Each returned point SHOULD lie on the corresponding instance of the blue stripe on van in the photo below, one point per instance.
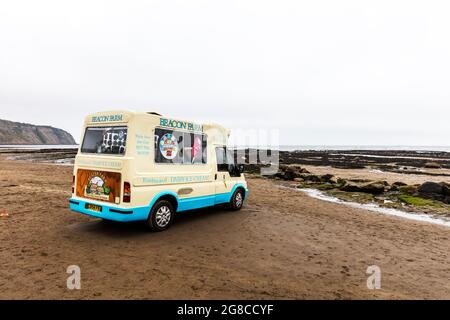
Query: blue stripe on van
(185, 204)
(196, 203)
(122, 214)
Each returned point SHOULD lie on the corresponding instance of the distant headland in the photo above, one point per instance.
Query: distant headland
(16, 133)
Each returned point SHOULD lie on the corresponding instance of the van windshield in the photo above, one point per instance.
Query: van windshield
(105, 140)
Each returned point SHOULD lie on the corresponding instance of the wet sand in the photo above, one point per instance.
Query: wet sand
(282, 245)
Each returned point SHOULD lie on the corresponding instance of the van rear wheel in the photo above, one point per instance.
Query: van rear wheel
(237, 200)
(161, 216)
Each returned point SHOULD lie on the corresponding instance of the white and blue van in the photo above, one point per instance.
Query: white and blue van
(137, 166)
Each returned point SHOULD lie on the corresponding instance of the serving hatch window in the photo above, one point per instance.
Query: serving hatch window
(179, 147)
(105, 140)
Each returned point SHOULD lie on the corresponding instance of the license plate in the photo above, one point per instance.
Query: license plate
(93, 207)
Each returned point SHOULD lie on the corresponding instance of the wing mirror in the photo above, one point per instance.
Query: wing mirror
(236, 170)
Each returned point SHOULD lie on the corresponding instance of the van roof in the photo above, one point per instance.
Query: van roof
(123, 116)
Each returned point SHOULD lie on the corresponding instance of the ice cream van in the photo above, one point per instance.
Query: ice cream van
(142, 166)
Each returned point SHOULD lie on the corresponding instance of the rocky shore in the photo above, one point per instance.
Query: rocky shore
(428, 197)
(63, 156)
(418, 181)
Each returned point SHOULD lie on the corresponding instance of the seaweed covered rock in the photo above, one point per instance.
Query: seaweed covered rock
(377, 187)
(430, 188)
(311, 178)
(433, 165)
(436, 191)
(291, 172)
(397, 185)
(446, 189)
(329, 178)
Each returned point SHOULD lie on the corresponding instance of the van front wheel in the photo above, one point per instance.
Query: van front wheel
(237, 200)
(161, 216)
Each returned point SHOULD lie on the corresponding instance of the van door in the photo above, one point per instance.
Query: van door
(222, 182)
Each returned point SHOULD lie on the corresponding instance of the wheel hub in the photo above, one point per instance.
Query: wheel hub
(163, 216)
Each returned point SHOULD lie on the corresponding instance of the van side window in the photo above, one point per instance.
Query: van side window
(179, 147)
(221, 155)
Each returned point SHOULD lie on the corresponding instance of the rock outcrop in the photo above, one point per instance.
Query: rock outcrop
(376, 187)
(432, 165)
(291, 172)
(436, 191)
(28, 134)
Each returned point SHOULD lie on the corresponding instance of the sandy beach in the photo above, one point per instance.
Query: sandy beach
(282, 245)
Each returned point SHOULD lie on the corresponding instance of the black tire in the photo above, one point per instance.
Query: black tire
(237, 200)
(159, 219)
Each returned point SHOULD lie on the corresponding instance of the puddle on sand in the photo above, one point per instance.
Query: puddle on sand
(422, 217)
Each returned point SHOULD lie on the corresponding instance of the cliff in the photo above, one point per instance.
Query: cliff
(23, 133)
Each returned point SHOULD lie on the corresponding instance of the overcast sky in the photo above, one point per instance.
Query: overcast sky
(322, 72)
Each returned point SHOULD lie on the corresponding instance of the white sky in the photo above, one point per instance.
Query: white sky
(322, 72)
